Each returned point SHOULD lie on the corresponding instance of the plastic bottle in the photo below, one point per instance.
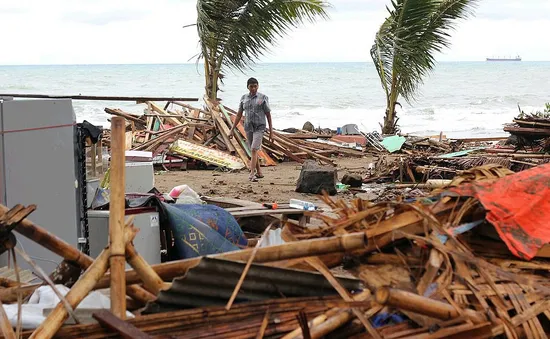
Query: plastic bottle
(303, 205)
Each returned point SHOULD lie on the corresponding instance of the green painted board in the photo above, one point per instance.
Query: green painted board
(393, 143)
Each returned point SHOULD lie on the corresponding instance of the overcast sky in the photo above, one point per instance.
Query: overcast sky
(139, 31)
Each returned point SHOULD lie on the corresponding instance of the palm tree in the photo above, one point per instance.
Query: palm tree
(235, 33)
(404, 47)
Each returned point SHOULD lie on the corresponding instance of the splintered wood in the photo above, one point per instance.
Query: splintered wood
(417, 264)
(202, 130)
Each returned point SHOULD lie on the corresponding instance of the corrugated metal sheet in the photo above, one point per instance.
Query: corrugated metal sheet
(212, 282)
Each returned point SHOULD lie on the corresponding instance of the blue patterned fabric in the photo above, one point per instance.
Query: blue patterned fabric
(203, 229)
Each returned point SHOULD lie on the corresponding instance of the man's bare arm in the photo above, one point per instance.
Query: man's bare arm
(237, 120)
(268, 116)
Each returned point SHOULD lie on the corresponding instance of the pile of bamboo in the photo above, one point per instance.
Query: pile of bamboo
(208, 128)
(416, 260)
(422, 262)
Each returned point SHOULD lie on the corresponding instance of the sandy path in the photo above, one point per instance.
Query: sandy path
(277, 186)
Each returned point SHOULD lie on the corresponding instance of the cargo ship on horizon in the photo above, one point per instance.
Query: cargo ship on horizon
(517, 58)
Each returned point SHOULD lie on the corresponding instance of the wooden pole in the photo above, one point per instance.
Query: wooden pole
(324, 323)
(117, 258)
(58, 246)
(151, 280)
(246, 268)
(300, 249)
(316, 263)
(98, 97)
(7, 329)
(332, 323)
(412, 302)
(80, 290)
(281, 140)
(47, 279)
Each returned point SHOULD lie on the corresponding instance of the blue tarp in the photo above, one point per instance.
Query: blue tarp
(203, 229)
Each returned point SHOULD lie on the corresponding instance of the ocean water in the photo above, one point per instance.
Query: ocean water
(460, 99)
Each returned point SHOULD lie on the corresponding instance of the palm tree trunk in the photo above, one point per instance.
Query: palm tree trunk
(214, 85)
(389, 118)
(207, 77)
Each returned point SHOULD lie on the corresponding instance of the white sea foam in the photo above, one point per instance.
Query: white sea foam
(459, 99)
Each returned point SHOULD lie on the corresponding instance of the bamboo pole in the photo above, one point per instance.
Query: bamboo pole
(47, 279)
(80, 290)
(316, 263)
(246, 268)
(316, 322)
(7, 329)
(151, 281)
(263, 327)
(335, 321)
(58, 246)
(9, 294)
(306, 248)
(140, 294)
(98, 97)
(193, 318)
(418, 304)
(117, 203)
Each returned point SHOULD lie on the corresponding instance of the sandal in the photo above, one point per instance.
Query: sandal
(253, 178)
(259, 176)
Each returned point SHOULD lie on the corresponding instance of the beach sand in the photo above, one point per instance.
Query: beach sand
(278, 185)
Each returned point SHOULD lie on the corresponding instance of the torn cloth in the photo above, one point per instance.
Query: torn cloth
(518, 206)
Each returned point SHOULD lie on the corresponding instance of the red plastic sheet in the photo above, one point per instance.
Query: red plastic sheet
(518, 206)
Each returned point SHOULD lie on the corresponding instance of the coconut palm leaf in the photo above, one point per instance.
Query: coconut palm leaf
(407, 41)
(405, 45)
(235, 33)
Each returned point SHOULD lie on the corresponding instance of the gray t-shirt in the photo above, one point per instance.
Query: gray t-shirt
(255, 107)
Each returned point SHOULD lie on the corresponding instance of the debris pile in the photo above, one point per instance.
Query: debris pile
(179, 131)
(530, 131)
(451, 264)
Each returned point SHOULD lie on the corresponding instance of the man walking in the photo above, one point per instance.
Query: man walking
(255, 105)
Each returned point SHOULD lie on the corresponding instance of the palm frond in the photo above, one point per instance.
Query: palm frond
(235, 33)
(415, 30)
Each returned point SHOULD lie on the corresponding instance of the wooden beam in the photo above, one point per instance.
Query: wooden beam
(79, 290)
(98, 97)
(165, 115)
(191, 132)
(117, 258)
(306, 248)
(126, 330)
(260, 212)
(189, 106)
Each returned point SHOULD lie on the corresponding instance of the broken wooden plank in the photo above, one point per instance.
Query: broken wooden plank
(264, 212)
(125, 329)
(173, 121)
(208, 155)
(191, 132)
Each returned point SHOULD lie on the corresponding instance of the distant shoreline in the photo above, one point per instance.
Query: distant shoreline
(258, 64)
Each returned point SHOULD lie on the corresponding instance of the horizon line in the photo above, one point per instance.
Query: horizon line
(252, 65)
